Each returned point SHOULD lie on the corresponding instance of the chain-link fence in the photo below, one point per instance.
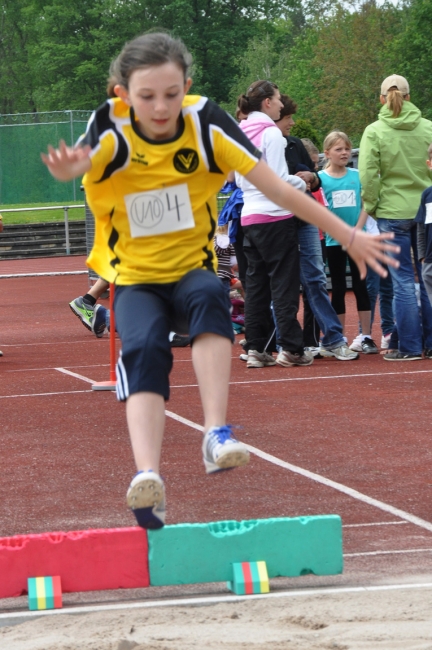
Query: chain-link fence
(23, 136)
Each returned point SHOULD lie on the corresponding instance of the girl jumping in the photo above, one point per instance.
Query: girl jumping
(154, 159)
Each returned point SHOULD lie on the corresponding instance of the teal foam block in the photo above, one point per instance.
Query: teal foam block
(191, 553)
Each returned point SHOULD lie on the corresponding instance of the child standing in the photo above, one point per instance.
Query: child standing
(341, 186)
(154, 159)
(424, 238)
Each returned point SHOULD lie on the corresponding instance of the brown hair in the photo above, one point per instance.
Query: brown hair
(150, 49)
(255, 95)
(289, 107)
(331, 140)
(395, 100)
(310, 147)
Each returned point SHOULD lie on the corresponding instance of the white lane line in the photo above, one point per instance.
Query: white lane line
(94, 365)
(36, 275)
(408, 550)
(75, 342)
(213, 600)
(397, 512)
(74, 374)
(322, 480)
(378, 523)
(286, 379)
(60, 392)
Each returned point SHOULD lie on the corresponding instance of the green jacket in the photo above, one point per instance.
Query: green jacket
(392, 163)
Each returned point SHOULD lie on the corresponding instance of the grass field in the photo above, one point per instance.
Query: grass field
(41, 216)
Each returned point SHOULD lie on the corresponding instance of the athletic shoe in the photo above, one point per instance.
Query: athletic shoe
(98, 322)
(395, 355)
(315, 352)
(369, 346)
(243, 357)
(257, 359)
(179, 341)
(146, 498)
(1, 353)
(222, 451)
(287, 359)
(83, 310)
(242, 342)
(341, 352)
(356, 344)
(428, 354)
(385, 341)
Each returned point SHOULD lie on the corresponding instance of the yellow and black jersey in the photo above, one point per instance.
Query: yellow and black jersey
(155, 201)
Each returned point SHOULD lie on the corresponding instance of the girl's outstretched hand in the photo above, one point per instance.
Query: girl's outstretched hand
(371, 249)
(66, 163)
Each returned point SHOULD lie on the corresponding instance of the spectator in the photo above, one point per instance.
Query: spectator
(393, 176)
(341, 186)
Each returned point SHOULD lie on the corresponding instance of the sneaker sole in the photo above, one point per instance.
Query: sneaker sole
(410, 359)
(288, 364)
(145, 494)
(328, 354)
(259, 364)
(80, 316)
(229, 460)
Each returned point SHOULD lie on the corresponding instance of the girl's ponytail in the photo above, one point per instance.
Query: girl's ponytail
(395, 101)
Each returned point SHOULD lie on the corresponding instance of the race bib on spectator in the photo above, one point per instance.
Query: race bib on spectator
(159, 212)
(344, 199)
(428, 218)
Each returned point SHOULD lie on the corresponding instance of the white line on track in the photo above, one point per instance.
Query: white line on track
(36, 275)
(364, 498)
(323, 480)
(269, 381)
(408, 550)
(213, 600)
(61, 392)
(74, 374)
(376, 523)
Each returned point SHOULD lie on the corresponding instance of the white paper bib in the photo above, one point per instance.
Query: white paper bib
(428, 218)
(344, 199)
(158, 212)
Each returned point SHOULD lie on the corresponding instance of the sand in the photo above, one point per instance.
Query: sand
(390, 620)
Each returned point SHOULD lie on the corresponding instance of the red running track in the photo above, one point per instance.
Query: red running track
(66, 460)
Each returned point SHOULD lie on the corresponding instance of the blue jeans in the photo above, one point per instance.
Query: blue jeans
(314, 282)
(412, 326)
(383, 286)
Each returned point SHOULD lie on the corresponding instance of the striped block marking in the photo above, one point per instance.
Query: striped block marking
(193, 553)
(249, 578)
(44, 592)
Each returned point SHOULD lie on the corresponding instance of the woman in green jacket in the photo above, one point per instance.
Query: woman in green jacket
(393, 175)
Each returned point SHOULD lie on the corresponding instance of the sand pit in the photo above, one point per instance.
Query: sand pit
(389, 619)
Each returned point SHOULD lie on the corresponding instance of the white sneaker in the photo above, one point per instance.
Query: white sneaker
(259, 359)
(385, 341)
(315, 351)
(356, 345)
(146, 498)
(222, 451)
(341, 352)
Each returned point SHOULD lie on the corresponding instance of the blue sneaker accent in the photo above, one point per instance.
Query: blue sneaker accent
(98, 322)
(146, 498)
(222, 451)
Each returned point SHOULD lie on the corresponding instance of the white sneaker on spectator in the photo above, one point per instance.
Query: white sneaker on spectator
(385, 341)
(259, 359)
(341, 352)
(356, 345)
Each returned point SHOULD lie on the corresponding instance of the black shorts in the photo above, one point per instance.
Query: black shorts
(145, 315)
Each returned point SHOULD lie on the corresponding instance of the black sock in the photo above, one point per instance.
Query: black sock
(89, 299)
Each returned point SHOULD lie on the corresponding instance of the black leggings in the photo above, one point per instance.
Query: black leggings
(337, 259)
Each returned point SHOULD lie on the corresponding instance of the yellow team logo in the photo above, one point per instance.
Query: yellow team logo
(186, 161)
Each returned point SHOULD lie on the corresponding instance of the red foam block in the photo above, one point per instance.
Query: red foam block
(86, 560)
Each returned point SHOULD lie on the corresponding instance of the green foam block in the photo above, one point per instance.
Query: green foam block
(190, 553)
